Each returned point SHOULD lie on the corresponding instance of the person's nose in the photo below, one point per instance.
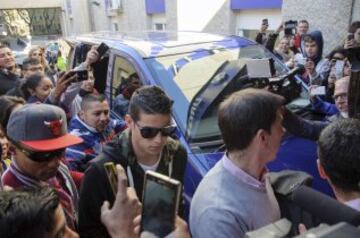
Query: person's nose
(158, 138)
(104, 117)
(55, 162)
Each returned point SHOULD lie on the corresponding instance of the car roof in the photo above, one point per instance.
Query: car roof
(162, 43)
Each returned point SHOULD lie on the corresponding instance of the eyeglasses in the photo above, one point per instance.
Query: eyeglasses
(38, 156)
(150, 132)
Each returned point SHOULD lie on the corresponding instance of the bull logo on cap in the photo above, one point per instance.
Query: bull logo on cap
(55, 126)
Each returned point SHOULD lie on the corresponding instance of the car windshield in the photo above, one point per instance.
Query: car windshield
(199, 81)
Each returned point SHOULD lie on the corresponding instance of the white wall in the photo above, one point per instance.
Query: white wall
(195, 15)
(251, 19)
(356, 11)
(98, 17)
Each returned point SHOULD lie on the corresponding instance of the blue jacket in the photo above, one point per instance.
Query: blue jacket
(324, 107)
(79, 155)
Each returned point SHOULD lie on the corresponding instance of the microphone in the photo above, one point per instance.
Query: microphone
(324, 207)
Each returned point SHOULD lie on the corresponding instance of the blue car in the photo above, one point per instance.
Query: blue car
(197, 70)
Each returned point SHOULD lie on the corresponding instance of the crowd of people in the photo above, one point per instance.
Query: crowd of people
(56, 134)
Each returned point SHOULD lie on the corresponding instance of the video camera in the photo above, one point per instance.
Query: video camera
(262, 74)
(290, 27)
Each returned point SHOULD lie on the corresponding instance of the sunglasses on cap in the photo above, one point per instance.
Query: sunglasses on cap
(41, 156)
(150, 132)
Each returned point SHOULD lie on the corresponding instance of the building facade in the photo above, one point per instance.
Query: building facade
(240, 17)
(47, 17)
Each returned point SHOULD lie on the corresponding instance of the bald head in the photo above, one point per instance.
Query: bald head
(341, 95)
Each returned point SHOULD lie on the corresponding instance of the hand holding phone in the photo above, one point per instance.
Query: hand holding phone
(350, 36)
(339, 69)
(102, 49)
(161, 198)
(265, 22)
(119, 220)
(301, 60)
(111, 173)
(319, 90)
(81, 75)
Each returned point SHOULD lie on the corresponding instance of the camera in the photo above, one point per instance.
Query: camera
(290, 27)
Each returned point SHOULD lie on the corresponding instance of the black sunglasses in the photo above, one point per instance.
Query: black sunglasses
(40, 156)
(150, 132)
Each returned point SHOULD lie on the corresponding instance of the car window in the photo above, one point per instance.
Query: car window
(125, 81)
(205, 78)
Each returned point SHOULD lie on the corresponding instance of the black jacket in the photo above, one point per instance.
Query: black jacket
(96, 189)
(8, 81)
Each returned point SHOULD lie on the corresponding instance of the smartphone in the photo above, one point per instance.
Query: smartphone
(301, 60)
(81, 75)
(161, 196)
(265, 22)
(339, 69)
(350, 36)
(111, 173)
(320, 90)
(102, 49)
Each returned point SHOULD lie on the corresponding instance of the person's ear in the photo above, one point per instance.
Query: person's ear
(129, 121)
(262, 137)
(81, 114)
(321, 170)
(31, 91)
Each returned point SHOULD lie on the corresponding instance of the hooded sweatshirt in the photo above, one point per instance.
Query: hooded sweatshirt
(322, 66)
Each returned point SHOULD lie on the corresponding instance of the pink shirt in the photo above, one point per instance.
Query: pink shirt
(241, 174)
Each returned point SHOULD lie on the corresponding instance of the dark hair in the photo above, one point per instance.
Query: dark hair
(7, 105)
(4, 45)
(336, 50)
(29, 61)
(28, 213)
(339, 153)
(304, 21)
(309, 38)
(149, 100)
(129, 85)
(31, 82)
(244, 113)
(354, 26)
(91, 97)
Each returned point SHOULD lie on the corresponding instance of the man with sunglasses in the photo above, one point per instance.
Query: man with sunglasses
(38, 136)
(145, 145)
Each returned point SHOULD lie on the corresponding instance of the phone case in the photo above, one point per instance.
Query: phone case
(110, 170)
(102, 49)
(167, 182)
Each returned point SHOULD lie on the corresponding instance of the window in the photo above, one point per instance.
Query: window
(115, 4)
(125, 81)
(251, 34)
(159, 26)
(115, 27)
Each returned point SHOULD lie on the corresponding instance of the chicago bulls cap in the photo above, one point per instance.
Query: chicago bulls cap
(41, 127)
